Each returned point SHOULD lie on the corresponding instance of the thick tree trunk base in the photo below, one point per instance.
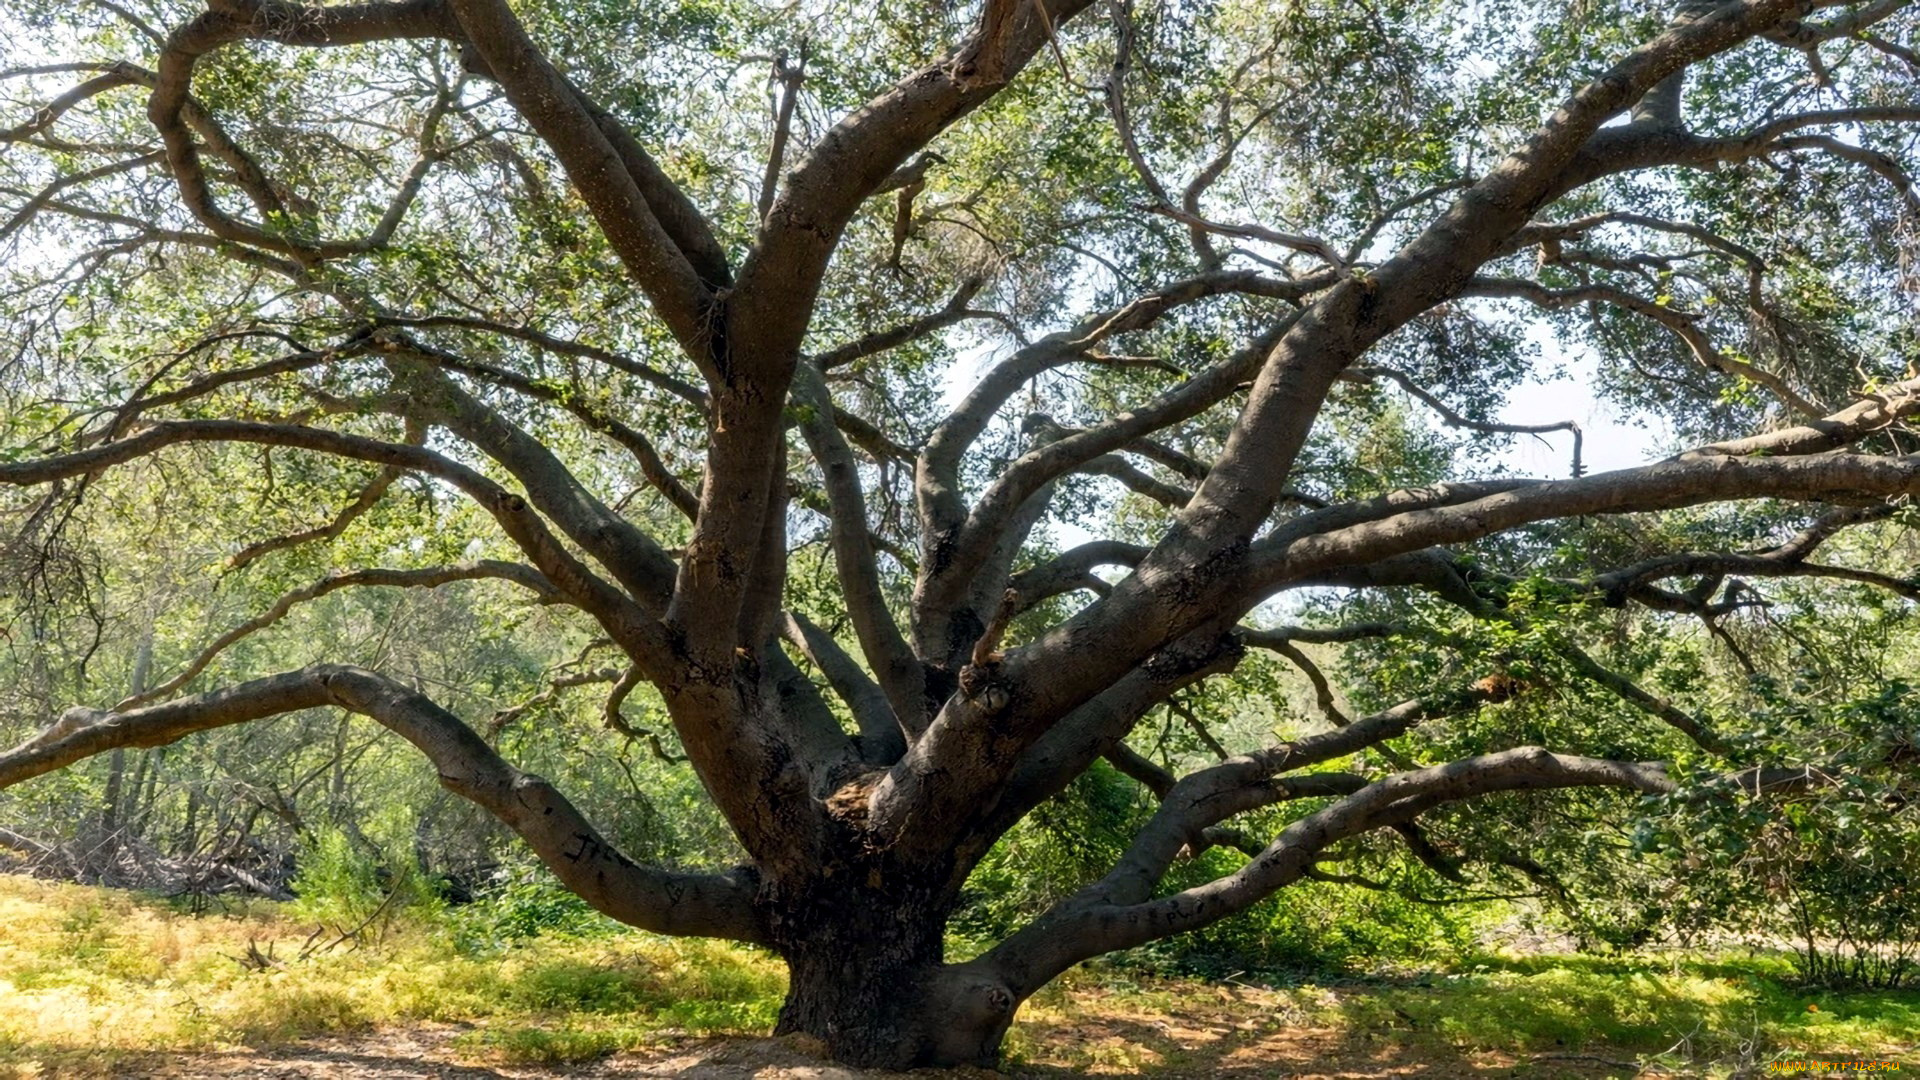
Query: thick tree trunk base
(875, 991)
(900, 1019)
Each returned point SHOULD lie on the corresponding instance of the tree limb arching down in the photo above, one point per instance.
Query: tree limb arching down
(563, 280)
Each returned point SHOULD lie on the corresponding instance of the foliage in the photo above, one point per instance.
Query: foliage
(520, 904)
(340, 883)
(1836, 874)
(1040, 472)
(1073, 838)
(1320, 929)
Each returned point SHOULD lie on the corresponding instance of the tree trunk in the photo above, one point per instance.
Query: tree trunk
(113, 805)
(110, 801)
(867, 979)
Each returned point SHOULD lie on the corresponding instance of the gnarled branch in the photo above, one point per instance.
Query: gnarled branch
(674, 903)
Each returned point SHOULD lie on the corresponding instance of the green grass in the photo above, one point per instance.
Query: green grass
(1711, 1007)
(88, 976)
(1706, 1015)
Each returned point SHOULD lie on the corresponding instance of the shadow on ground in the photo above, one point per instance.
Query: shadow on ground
(1109, 1047)
(1161, 1049)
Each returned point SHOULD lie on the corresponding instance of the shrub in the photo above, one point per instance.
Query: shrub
(346, 885)
(520, 904)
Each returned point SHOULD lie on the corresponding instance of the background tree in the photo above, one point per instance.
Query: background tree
(1077, 335)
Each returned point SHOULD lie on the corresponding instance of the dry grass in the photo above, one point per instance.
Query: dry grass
(1538, 1016)
(94, 982)
(86, 974)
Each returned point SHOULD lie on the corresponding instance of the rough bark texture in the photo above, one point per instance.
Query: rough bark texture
(867, 978)
(859, 842)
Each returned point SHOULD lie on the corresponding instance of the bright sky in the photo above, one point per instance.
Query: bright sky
(1610, 443)
(1569, 394)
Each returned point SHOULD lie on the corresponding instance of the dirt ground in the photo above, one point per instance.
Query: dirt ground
(427, 1052)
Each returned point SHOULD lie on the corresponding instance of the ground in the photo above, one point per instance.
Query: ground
(102, 983)
(1163, 1046)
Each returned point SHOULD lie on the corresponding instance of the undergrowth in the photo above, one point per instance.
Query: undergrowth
(89, 977)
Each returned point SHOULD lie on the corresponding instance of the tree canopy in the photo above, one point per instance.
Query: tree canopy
(917, 400)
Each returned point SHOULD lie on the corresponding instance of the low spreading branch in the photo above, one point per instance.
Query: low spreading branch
(674, 903)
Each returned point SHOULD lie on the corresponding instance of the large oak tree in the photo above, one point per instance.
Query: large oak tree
(1070, 329)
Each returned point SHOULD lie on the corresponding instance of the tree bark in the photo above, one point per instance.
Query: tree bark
(864, 947)
(858, 848)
